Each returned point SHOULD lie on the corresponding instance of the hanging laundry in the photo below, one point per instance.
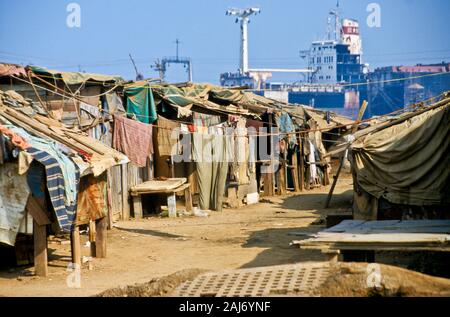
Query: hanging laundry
(183, 112)
(240, 164)
(209, 152)
(68, 168)
(205, 120)
(167, 136)
(14, 194)
(133, 138)
(16, 139)
(312, 159)
(92, 198)
(140, 102)
(286, 127)
(113, 104)
(65, 213)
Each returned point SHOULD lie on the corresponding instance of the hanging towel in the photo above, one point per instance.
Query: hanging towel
(167, 136)
(134, 139)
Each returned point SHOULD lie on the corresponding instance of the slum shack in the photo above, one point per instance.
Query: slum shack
(400, 165)
(170, 133)
(78, 100)
(401, 178)
(265, 147)
(53, 181)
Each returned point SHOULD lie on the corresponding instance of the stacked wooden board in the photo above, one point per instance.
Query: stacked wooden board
(387, 235)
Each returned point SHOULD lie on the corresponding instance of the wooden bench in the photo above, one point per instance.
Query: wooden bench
(171, 198)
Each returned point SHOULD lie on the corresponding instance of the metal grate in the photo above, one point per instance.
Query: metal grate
(295, 279)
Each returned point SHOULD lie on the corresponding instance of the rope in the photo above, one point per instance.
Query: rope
(303, 132)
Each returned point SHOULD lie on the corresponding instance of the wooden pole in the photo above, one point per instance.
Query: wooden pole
(341, 163)
(281, 178)
(100, 237)
(92, 234)
(188, 198)
(302, 165)
(294, 172)
(76, 246)
(330, 194)
(268, 180)
(40, 249)
(137, 206)
(110, 198)
(125, 202)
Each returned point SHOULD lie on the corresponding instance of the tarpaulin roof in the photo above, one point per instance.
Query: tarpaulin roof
(75, 78)
(239, 102)
(101, 156)
(406, 161)
(12, 70)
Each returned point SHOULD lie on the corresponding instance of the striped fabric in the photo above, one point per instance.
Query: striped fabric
(55, 185)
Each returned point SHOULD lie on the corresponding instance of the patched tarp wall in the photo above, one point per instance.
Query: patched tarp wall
(407, 163)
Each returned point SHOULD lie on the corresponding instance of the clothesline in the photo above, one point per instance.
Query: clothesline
(282, 133)
(342, 85)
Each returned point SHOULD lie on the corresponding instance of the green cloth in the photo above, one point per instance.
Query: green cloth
(75, 78)
(140, 102)
(183, 96)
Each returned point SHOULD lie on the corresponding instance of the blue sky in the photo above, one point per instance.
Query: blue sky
(412, 31)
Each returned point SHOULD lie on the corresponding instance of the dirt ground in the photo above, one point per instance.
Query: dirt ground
(145, 250)
(350, 280)
(138, 251)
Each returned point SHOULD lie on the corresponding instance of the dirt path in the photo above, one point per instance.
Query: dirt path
(138, 251)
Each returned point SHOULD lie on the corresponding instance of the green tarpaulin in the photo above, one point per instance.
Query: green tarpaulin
(140, 102)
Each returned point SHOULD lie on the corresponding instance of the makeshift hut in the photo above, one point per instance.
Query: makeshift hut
(52, 180)
(401, 165)
(239, 123)
(171, 133)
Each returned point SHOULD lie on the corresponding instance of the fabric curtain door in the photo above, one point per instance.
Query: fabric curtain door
(209, 152)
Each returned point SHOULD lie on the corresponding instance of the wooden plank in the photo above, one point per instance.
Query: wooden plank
(301, 170)
(361, 112)
(172, 205)
(125, 194)
(109, 198)
(135, 192)
(37, 211)
(335, 179)
(345, 225)
(268, 176)
(40, 249)
(100, 237)
(76, 246)
(392, 226)
(188, 198)
(281, 178)
(378, 239)
(92, 233)
(137, 206)
(294, 172)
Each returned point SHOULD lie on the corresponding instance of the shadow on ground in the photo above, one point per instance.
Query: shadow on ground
(149, 232)
(316, 201)
(277, 240)
(279, 251)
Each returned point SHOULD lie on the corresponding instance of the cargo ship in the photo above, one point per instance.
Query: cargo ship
(334, 68)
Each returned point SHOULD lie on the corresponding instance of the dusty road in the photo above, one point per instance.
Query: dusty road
(138, 251)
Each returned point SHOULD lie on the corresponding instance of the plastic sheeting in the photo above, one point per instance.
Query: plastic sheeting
(140, 102)
(407, 163)
(13, 199)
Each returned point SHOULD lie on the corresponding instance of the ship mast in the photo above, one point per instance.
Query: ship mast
(242, 15)
(337, 24)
